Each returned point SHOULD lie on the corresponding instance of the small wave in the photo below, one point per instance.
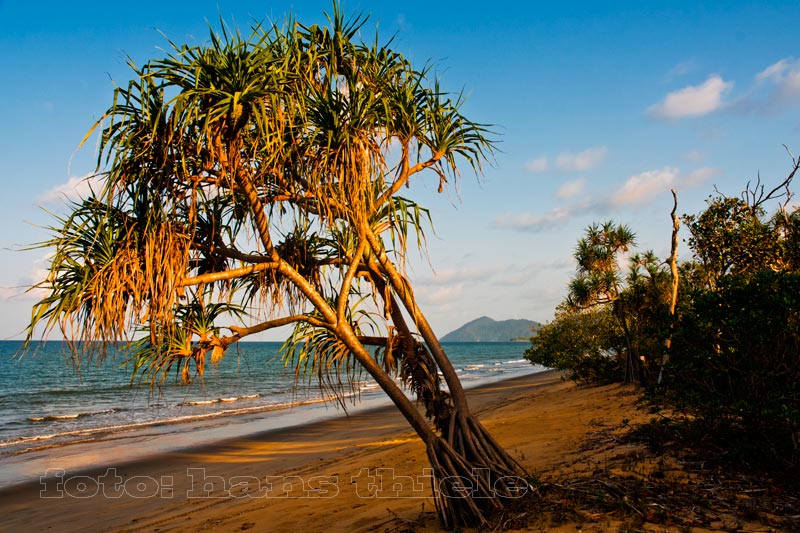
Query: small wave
(200, 402)
(91, 433)
(515, 361)
(475, 367)
(69, 416)
(228, 399)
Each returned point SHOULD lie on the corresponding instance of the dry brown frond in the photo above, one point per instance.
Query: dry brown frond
(166, 256)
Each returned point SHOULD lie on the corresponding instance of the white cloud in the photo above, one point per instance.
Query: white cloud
(74, 189)
(699, 176)
(582, 161)
(694, 100)
(540, 164)
(444, 288)
(773, 89)
(783, 77)
(645, 186)
(776, 71)
(533, 223)
(571, 188)
(441, 295)
(455, 275)
(24, 291)
(694, 156)
(638, 190)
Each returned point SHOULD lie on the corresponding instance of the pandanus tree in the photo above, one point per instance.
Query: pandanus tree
(599, 280)
(252, 182)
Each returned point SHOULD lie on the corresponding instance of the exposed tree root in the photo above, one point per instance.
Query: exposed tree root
(473, 477)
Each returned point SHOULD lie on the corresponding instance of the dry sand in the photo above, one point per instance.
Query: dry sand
(365, 472)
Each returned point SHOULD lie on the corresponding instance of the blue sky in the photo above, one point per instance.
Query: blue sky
(600, 109)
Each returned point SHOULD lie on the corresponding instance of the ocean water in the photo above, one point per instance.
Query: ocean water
(45, 403)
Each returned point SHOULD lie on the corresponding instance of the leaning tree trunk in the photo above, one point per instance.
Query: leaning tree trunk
(466, 458)
(473, 475)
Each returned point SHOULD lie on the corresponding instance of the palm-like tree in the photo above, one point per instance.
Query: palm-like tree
(599, 279)
(258, 176)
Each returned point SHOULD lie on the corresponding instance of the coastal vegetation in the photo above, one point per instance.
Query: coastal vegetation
(253, 182)
(714, 340)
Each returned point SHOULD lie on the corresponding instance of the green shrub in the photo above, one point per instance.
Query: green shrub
(586, 344)
(736, 359)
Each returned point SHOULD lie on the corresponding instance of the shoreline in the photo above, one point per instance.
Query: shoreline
(44, 403)
(123, 446)
(163, 487)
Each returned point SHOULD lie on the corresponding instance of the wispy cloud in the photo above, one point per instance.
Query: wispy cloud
(776, 71)
(694, 100)
(533, 223)
(643, 187)
(785, 76)
(682, 69)
(445, 287)
(699, 176)
(694, 156)
(540, 164)
(637, 191)
(569, 161)
(24, 290)
(775, 87)
(442, 295)
(454, 275)
(582, 161)
(73, 189)
(571, 189)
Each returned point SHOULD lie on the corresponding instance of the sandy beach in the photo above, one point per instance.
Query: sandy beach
(367, 472)
(364, 472)
(277, 480)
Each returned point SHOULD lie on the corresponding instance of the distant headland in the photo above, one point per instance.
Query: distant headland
(485, 329)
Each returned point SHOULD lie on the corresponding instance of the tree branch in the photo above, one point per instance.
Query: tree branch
(406, 173)
(347, 282)
(212, 277)
(239, 332)
(754, 198)
(231, 253)
(373, 341)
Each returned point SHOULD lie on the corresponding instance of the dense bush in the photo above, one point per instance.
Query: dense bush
(588, 345)
(730, 355)
(736, 359)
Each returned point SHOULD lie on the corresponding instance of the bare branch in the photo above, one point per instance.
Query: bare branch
(756, 198)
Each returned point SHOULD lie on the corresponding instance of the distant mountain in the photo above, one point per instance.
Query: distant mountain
(484, 329)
